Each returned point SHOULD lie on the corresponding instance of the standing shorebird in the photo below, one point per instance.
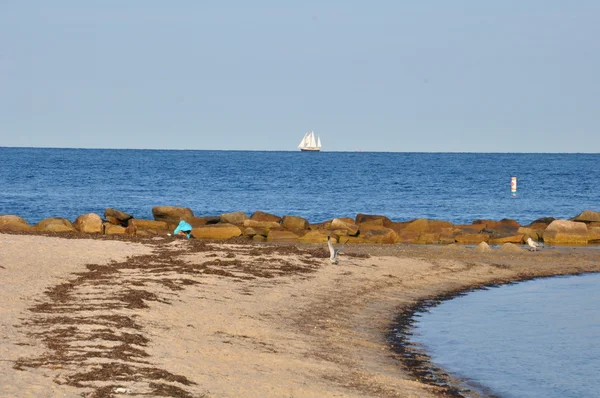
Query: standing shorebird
(533, 246)
(333, 252)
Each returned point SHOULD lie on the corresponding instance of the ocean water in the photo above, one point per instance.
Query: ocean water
(539, 338)
(37, 183)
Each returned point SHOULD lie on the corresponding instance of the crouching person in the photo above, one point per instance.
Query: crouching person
(183, 228)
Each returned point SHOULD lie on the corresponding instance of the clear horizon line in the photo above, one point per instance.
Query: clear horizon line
(288, 150)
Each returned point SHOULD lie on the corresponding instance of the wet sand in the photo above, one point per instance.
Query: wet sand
(110, 317)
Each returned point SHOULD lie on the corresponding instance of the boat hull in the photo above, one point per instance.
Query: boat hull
(310, 149)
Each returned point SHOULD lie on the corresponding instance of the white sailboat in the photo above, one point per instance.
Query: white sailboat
(309, 144)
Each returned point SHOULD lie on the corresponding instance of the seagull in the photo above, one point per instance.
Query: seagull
(333, 252)
(533, 246)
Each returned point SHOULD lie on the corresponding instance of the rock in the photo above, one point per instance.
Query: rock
(399, 226)
(423, 231)
(409, 236)
(483, 247)
(593, 234)
(112, 229)
(282, 236)
(56, 224)
(471, 239)
(216, 231)
(486, 223)
(10, 219)
(294, 223)
(565, 232)
(517, 238)
(468, 228)
(15, 226)
(426, 238)
(171, 214)
(543, 220)
(139, 227)
(250, 232)
(267, 225)
(204, 220)
(378, 234)
(447, 235)
(425, 225)
(511, 248)
(315, 237)
(236, 218)
(259, 238)
(343, 224)
(527, 231)
(89, 223)
(262, 216)
(587, 216)
(117, 217)
(373, 219)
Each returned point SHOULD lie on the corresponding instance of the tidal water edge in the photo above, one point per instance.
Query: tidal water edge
(539, 338)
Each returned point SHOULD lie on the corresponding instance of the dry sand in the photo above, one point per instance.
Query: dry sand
(172, 317)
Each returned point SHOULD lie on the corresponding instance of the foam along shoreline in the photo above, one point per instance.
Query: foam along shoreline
(208, 318)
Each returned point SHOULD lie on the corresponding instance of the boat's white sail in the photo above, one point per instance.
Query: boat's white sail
(309, 143)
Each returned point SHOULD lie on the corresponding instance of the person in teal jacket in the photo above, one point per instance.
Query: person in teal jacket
(183, 228)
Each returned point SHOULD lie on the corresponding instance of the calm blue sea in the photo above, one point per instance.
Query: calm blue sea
(36, 183)
(539, 338)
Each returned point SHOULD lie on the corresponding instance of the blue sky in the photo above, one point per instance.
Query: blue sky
(428, 76)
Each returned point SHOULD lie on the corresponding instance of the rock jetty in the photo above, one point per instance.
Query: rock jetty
(583, 229)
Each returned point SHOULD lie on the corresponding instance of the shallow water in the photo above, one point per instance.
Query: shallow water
(539, 338)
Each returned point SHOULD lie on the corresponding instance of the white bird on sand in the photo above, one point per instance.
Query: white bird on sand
(333, 252)
(533, 246)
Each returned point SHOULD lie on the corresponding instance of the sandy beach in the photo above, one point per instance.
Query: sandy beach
(119, 316)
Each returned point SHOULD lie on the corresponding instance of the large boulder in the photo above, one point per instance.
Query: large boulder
(502, 224)
(112, 229)
(9, 218)
(294, 223)
(90, 223)
(14, 224)
(236, 218)
(267, 225)
(262, 216)
(117, 217)
(276, 235)
(140, 227)
(517, 238)
(316, 236)
(344, 224)
(251, 232)
(55, 224)
(468, 228)
(171, 214)
(587, 216)
(373, 219)
(378, 234)
(471, 239)
(216, 231)
(565, 232)
(593, 234)
(543, 220)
